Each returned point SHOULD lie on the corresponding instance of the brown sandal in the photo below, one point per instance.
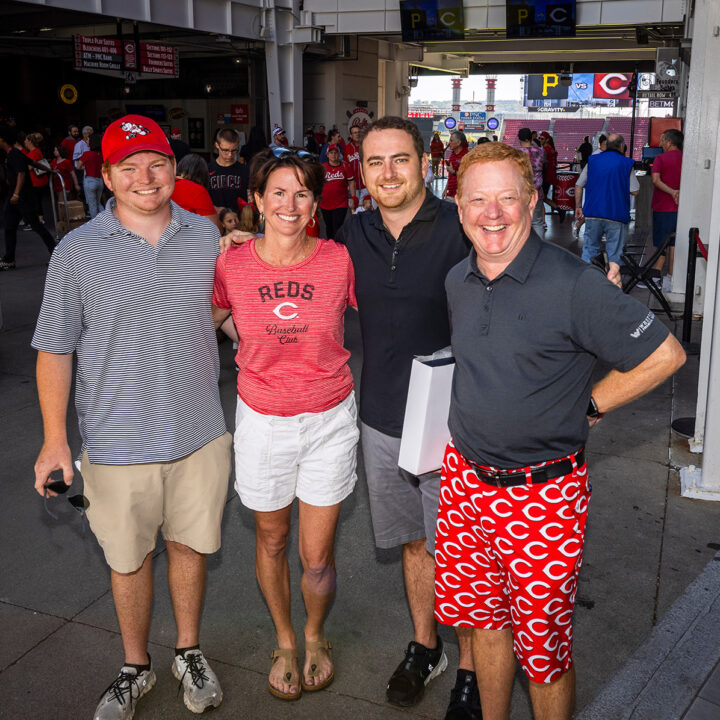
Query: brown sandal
(287, 655)
(312, 646)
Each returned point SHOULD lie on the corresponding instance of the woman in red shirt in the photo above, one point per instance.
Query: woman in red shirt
(437, 148)
(91, 163)
(339, 186)
(64, 167)
(296, 424)
(40, 180)
(459, 149)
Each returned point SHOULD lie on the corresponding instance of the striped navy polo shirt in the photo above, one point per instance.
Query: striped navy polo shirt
(139, 319)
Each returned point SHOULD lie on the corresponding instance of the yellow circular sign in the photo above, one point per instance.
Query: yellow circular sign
(68, 94)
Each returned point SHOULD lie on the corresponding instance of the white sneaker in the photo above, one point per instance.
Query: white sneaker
(667, 284)
(202, 688)
(119, 700)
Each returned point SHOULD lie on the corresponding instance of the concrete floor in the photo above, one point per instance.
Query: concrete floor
(59, 645)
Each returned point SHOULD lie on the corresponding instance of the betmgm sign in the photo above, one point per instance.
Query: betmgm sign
(540, 18)
(426, 20)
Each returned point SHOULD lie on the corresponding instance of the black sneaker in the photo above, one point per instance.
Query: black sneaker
(464, 698)
(407, 684)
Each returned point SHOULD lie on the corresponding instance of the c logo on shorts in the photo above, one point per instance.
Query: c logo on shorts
(548, 643)
(465, 604)
(529, 515)
(537, 632)
(470, 543)
(533, 659)
(448, 610)
(537, 596)
(472, 570)
(548, 570)
(547, 490)
(494, 506)
(532, 544)
(453, 576)
(524, 526)
(545, 532)
(513, 566)
(568, 553)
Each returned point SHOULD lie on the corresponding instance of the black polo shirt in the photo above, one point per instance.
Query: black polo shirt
(400, 289)
(525, 346)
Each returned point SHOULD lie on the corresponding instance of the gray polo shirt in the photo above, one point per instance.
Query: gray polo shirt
(526, 345)
(139, 319)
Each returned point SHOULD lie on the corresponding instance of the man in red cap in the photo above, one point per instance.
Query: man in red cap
(120, 291)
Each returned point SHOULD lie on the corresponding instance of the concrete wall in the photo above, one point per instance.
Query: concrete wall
(332, 88)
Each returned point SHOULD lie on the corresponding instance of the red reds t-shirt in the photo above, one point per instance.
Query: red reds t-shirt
(37, 180)
(352, 158)
(69, 144)
(335, 190)
(455, 164)
(668, 165)
(290, 324)
(64, 167)
(92, 163)
(193, 197)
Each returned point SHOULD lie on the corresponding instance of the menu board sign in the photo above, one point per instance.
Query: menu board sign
(118, 58)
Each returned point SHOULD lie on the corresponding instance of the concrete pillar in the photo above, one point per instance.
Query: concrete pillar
(700, 207)
(698, 192)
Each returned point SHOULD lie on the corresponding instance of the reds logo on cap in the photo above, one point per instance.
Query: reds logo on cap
(131, 134)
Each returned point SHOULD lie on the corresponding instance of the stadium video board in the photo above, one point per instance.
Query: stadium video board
(432, 20)
(539, 18)
(583, 89)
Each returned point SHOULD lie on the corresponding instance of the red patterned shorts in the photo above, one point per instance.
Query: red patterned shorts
(510, 558)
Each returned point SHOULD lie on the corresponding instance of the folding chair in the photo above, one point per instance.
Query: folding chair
(642, 273)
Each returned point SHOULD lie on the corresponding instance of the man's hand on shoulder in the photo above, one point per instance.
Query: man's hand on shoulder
(53, 457)
(234, 239)
(614, 274)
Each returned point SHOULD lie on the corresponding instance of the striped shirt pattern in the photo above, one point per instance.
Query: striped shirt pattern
(139, 319)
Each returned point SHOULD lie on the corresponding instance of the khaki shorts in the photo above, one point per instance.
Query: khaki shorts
(184, 498)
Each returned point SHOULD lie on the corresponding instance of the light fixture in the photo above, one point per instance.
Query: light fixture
(208, 88)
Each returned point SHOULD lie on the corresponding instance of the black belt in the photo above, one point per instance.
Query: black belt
(537, 475)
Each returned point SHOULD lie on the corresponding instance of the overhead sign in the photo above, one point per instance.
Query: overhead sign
(472, 118)
(450, 123)
(670, 104)
(493, 123)
(539, 18)
(426, 20)
(656, 94)
(613, 86)
(120, 58)
(546, 87)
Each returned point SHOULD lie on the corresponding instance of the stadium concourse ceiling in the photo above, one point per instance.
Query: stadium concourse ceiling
(600, 48)
(42, 31)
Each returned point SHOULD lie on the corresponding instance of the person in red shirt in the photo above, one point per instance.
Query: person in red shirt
(191, 188)
(296, 423)
(90, 162)
(71, 140)
(550, 172)
(352, 158)
(321, 136)
(62, 164)
(437, 149)
(666, 171)
(339, 185)
(40, 180)
(458, 150)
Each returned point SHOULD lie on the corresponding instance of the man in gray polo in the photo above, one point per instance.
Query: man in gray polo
(526, 336)
(129, 294)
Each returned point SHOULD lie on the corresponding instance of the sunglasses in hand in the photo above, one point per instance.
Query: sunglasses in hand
(79, 502)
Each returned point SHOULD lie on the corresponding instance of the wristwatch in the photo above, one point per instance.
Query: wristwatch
(592, 411)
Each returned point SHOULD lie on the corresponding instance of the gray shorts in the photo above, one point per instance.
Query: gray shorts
(403, 506)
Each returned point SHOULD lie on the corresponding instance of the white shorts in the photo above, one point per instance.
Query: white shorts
(311, 456)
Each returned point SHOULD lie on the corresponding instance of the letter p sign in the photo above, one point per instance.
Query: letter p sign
(549, 81)
(416, 18)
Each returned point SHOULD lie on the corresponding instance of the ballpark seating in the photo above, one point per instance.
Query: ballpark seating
(569, 133)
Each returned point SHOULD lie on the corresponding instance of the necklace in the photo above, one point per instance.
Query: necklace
(306, 249)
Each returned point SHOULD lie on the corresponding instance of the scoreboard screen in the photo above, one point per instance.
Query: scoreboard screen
(540, 18)
(428, 20)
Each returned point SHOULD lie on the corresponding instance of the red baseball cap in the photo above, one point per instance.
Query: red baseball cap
(131, 134)
(333, 146)
(175, 133)
(544, 134)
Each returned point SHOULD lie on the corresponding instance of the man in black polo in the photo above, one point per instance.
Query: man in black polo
(229, 179)
(401, 253)
(526, 336)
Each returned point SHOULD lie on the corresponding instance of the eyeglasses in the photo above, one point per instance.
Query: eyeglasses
(281, 152)
(79, 502)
